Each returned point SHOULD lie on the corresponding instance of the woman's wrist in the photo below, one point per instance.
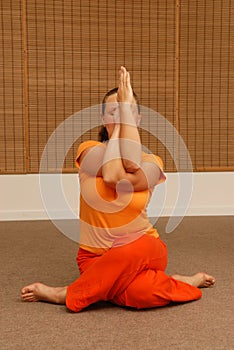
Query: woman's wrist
(116, 131)
(126, 114)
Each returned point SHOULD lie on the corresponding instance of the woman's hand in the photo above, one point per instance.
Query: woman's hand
(125, 93)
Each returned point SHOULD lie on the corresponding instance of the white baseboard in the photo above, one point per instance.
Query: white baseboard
(202, 211)
(30, 215)
(19, 215)
(31, 197)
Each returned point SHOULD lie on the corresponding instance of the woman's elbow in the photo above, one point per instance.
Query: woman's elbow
(131, 167)
(109, 180)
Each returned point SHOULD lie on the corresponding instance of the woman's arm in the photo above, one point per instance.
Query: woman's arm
(130, 142)
(119, 162)
(104, 160)
(114, 173)
(97, 163)
(112, 167)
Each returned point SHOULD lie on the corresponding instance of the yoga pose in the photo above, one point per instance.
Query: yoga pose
(121, 257)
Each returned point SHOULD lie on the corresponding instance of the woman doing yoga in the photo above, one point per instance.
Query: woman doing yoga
(121, 257)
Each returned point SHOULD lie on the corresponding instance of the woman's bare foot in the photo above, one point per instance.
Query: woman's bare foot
(200, 279)
(41, 292)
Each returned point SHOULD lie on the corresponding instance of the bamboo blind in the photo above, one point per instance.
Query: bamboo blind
(206, 77)
(59, 57)
(12, 130)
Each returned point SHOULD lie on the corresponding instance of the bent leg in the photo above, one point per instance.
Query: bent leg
(154, 288)
(85, 259)
(111, 274)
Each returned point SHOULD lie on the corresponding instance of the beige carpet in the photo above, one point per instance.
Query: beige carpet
(35, 251)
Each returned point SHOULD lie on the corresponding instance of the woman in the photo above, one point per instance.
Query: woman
(121, 257)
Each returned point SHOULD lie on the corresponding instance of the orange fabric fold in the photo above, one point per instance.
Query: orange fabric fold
(131, 275)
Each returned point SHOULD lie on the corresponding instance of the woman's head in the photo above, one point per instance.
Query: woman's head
(110, 112)
(113, 92)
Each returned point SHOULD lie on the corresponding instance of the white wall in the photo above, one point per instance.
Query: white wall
(34, 197)
(30, 197)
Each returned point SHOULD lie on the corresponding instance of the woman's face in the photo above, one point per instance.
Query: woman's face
(111, 115)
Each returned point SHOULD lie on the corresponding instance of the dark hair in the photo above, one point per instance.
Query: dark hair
(103, 134)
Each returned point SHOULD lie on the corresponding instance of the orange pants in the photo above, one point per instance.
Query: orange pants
(131, 275)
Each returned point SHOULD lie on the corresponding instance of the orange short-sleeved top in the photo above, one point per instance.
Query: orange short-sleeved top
(110, 219)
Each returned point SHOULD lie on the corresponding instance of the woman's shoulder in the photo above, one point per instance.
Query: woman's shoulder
(152, 158)
(86, 144)
(89, 143)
